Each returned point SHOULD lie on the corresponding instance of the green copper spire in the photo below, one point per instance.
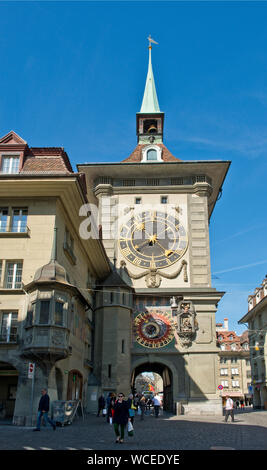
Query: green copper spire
(150, 102)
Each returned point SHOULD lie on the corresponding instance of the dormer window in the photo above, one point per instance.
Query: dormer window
(152, 153)
(10, 164)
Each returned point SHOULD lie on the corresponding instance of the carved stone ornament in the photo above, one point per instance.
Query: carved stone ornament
(186, 323)
(153, 276)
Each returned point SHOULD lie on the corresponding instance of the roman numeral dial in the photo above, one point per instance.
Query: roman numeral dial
(153, 238)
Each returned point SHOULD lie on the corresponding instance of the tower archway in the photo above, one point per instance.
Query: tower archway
(167, 378)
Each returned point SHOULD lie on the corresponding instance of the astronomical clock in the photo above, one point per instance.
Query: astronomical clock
(153, 329)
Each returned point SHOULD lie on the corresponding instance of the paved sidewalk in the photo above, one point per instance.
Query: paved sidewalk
(165, 433)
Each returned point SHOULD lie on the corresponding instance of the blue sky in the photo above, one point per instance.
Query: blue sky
(73, 75)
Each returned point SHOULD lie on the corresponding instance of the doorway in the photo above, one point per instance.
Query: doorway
(75, 385)
(8, 391)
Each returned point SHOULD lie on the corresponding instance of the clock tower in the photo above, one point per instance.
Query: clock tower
(156, 311)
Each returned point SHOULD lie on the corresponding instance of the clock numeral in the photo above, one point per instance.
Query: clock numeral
(137, 261)
(126, 252)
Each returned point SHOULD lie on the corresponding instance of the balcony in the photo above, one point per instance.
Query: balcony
(48, 342)
(13, 232)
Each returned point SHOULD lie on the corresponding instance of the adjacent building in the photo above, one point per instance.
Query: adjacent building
(256, 319)
(47, 279)
(234, 370)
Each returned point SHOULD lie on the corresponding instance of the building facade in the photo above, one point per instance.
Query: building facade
(234, 369)
(47, 279)
(256, 319)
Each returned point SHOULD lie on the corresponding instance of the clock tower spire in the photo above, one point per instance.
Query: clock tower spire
(149, 121)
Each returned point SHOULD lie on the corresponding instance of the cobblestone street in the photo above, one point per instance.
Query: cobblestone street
(248, 432)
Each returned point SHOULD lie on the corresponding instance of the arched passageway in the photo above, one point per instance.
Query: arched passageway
(166, 375)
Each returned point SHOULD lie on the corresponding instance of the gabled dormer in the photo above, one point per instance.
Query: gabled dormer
(12, 152)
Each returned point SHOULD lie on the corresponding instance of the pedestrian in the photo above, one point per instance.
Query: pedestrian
(242, 404)
(132, 407)
(157, 404)
(43, 409)
(229, 408)
(120, 417)
(110, 406)
(142, 404)
(237, 404)
(101, 404)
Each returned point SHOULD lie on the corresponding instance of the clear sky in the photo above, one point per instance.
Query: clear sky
(73, 75)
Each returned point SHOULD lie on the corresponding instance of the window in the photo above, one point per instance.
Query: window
(224, 372)
(122, 346)
(10, 165)
(233, 347)
(1, 267)
(44, 312)
(222, 346)
(151, 155)
(235, 372)
(9, 326)
(224, 383)
(59, 313)
(233, 360)
(14, 275)
(109, 371)
(231, 337)
(3, 219)
(245, 346)
(164, 199)
(69, 246)
(138, 200)
(19, 220)
(223, 360)
(235, 383)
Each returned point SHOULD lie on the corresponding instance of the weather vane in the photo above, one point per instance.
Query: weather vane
(150, 41)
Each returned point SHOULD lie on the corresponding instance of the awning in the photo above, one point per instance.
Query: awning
(232, 394)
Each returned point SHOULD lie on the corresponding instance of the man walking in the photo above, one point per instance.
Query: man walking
(229, 408)
(43, 411)
(157, 403)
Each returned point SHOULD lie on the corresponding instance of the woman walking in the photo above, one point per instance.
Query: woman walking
(132, 407)
(120, 417)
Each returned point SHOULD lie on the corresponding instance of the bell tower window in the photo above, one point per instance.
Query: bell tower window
(152, 153)
(150, 126)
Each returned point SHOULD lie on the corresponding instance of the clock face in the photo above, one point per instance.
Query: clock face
(153, 239)
(153, 329)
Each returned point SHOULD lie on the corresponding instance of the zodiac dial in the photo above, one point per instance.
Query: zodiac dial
(153, 239)
(153, 329)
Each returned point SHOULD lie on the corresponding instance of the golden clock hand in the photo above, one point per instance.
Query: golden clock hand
(139, 246)
(166, 252)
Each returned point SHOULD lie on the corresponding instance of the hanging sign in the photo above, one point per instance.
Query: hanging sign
(31, 370)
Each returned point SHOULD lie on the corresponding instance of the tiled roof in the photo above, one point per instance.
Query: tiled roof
(46, 160)
(136, 155)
